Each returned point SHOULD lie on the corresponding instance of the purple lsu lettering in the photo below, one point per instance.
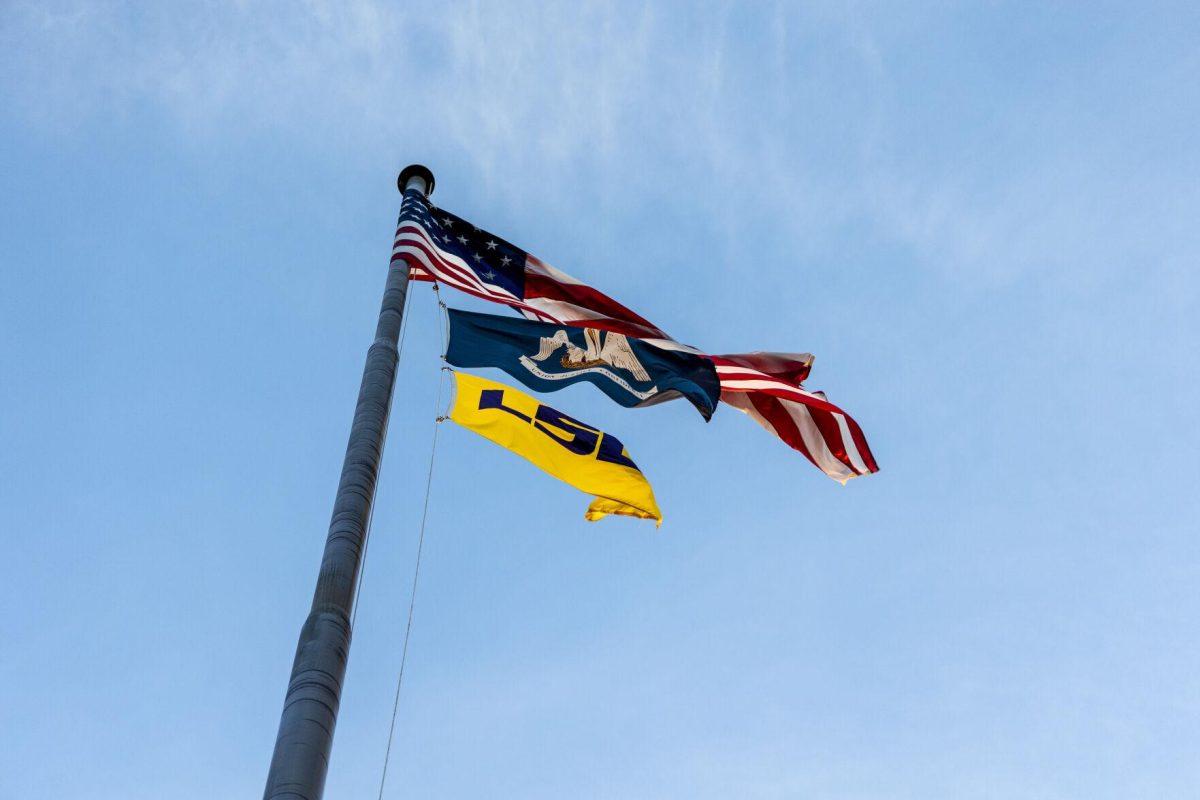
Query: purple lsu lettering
(576, 436)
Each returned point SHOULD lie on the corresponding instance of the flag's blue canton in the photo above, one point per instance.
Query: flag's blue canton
(492, 259)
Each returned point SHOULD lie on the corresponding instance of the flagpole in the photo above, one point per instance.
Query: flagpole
(305, 737)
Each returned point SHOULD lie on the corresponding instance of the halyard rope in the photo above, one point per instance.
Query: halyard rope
(412, 598)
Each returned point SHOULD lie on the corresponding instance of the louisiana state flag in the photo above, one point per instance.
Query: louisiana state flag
(572, 451)
(548, 357)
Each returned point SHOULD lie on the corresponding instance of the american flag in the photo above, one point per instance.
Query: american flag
(767, 387)
(443, 248)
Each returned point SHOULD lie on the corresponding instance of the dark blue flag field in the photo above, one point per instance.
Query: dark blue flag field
(548, 356)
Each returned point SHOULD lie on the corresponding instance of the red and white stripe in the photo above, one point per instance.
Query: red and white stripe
(568, 301)
(428, 262)
(805, 420)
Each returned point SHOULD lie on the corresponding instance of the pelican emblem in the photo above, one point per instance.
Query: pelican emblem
(604, 348)
(605, 353)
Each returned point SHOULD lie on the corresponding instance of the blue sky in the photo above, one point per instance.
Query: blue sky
(981, 218)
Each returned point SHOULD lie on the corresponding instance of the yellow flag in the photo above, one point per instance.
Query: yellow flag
(572, 451)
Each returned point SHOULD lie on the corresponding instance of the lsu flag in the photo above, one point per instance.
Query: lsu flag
(547, 356)
(574, 452)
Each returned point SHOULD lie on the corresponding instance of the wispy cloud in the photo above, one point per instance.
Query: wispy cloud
(821, 115)
(504, 80)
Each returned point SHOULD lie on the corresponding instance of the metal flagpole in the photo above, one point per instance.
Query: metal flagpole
(310, 708)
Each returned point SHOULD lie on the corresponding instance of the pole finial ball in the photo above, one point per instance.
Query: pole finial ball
(416, 176)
